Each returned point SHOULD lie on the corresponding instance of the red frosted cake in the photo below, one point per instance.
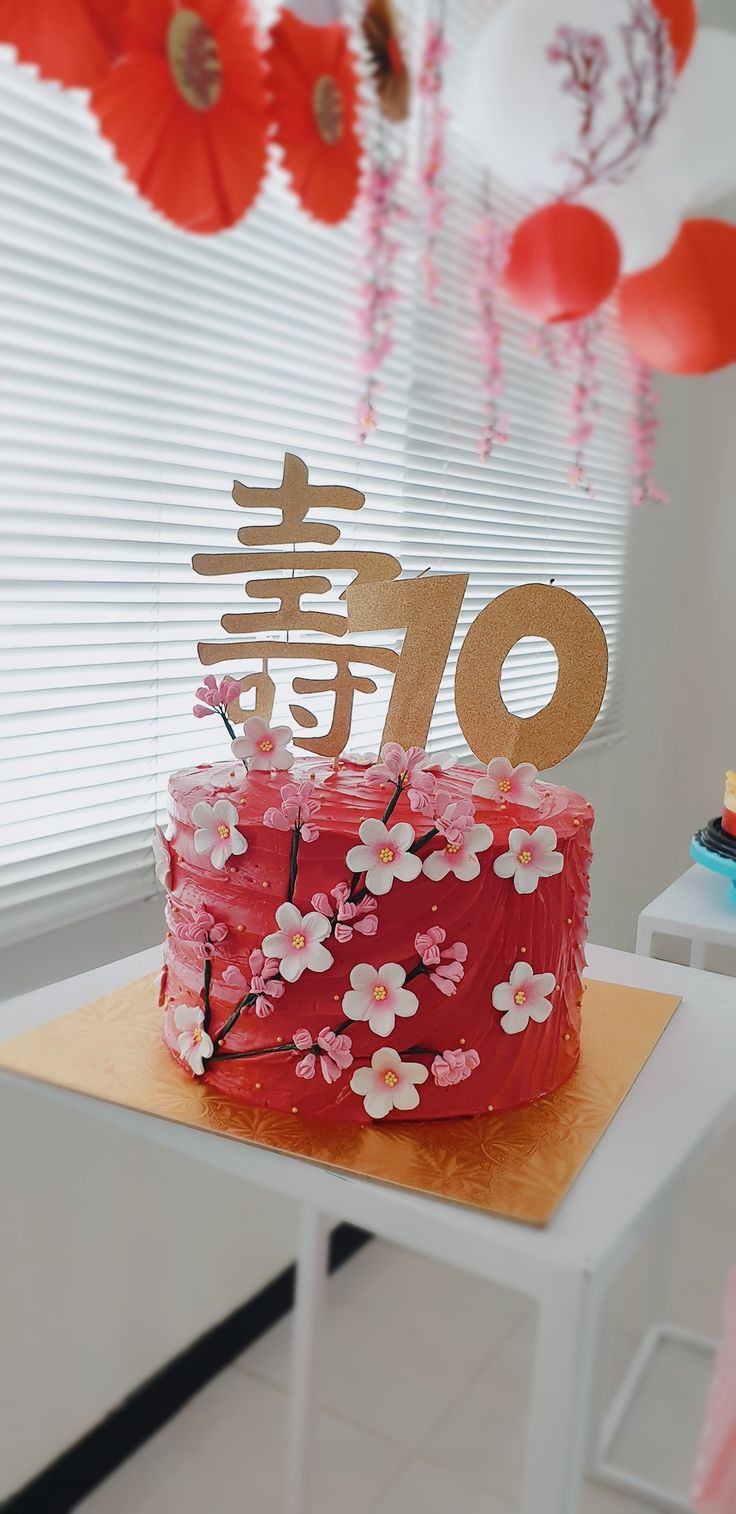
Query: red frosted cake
(375, 939)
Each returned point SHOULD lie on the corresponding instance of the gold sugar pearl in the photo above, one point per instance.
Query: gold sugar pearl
(567, 1037)
(462, 1040)
(569, 919)
(265, 885)
(240, 927)
(522, 949)
(576, 822)
(336, 998)
(434, 909)
(259, 1085)
(294, 1109)
(279, 1039)
(490, 1109)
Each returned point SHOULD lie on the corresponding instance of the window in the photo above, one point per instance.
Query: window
(144, 370)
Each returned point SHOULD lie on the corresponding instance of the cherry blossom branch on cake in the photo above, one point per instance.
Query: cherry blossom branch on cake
(215, 697)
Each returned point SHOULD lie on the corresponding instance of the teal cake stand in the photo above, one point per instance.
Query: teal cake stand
(726, 866)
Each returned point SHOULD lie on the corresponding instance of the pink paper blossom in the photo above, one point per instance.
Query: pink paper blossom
(445, 962)
(265, 982)
(493, 247)
(454, 1066)
(215, 696)
(382, 215)
(348, 917)
(298, 807)
(644, 431)
(432, 167)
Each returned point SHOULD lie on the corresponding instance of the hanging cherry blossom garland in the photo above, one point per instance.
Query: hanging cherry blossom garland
(581, 347)
(493, 244)
(432, 168)
(644, 430)
(383, 213)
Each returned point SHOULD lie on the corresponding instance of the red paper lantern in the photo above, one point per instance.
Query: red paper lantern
(73, 43)
(563, 262)
(682, 22)
(680, 314)
(185, 108)
(314, 92)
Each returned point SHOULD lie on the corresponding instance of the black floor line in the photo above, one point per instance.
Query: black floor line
(74, 1474)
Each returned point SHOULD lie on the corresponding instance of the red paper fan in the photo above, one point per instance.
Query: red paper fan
(73, 43)
(314, 92)
(186, 111)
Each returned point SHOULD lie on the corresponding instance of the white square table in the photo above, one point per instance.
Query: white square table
(680, 1101)
(699, 906)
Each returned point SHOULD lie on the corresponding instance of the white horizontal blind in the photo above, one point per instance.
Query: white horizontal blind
(143, 370)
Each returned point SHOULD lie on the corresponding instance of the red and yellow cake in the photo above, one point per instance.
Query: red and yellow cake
(373, 939)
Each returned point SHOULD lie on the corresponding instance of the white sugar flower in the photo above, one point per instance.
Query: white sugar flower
(161, 857)
(523, 998)
(216, 835)
(378, 996)
(384, 855)
(388, 1083)
(195, 1046)
(263, 746)
(459, 856)
(297, 943)
(508, 784)
(529, 858)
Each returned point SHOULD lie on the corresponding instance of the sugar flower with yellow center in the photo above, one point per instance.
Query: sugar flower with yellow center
(384, 855)
(388, 1083)
(523, 998)
(194, 1044)
(297, 944)
(507, 784)
(377, 994)
(263, 747)
(216, 834)
(529, 858)
(460, 855)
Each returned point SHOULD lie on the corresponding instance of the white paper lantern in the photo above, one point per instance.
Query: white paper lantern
(525, 108)
(645, 211)
(698, 138)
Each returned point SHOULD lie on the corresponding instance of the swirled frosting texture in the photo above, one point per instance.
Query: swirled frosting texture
(546, 928)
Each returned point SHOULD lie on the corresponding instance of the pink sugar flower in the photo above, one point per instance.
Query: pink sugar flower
(215, 696)
(459, 856)
(399, 766)
(377, 995)
(298, 808)
(334, 1055)
(349, 917)
(297, 944)
(454, 1066)
(507, 784)
(263, 747)
(216, 834)
(195, 1046)
(233, 978)
(384, 855)
(445, 962)
(264, 983)
(452, 817)
(529, 858)
(190, 922)
(388, 1083)
(523, 998)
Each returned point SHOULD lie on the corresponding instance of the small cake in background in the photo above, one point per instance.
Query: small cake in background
(714, 845)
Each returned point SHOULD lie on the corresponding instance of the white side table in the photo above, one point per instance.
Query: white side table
(700, 906)
(566, 1267)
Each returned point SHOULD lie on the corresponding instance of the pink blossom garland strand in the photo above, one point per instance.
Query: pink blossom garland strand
(433, 153)
(493, 246)
(644, 431)
(581, 345)
(383, 213)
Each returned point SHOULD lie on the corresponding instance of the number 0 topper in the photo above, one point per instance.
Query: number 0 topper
(426, 609)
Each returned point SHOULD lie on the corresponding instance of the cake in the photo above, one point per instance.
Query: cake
(714, 845)
(373, 939)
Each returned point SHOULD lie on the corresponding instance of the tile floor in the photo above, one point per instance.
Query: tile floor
(423, 1388)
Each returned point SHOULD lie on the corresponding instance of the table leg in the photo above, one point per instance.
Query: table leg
(311, 1279)
(698, 950)
(567, 1332)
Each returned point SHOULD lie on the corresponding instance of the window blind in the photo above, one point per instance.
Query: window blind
(142, 371)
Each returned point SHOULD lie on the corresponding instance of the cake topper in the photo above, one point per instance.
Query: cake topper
(425, 608)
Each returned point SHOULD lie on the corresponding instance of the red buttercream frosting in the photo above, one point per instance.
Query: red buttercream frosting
(500, 927)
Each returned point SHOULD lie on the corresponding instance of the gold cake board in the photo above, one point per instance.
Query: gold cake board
(519, 1163)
